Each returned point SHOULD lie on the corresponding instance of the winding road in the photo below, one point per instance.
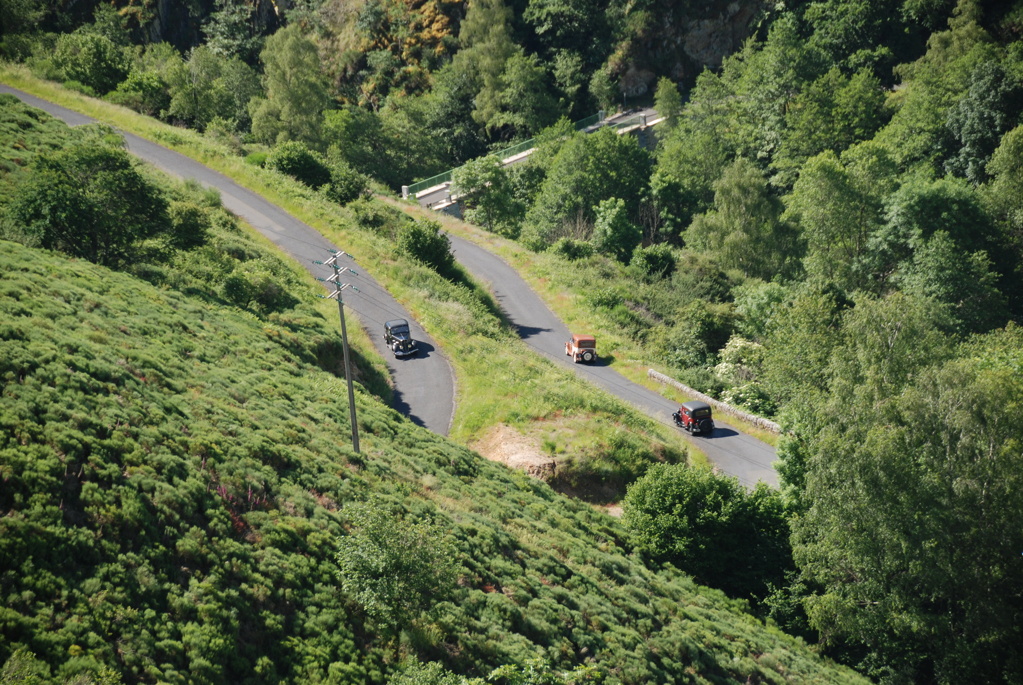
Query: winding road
(733, 452)
(424, 385)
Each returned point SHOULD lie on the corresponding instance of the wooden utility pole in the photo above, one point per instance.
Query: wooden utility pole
(335, 278)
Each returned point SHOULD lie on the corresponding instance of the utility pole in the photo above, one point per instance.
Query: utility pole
(335, 278)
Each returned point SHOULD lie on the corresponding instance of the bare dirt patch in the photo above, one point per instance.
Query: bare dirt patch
(506, 445)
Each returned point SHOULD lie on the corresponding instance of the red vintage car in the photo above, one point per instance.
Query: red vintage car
(695, 417)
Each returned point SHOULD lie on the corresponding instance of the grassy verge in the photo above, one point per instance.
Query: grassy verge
(558, 287)
(603, 444)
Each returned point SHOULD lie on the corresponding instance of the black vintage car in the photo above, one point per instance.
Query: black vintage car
(399, 338)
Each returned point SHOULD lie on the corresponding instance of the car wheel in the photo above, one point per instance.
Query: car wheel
(587, 356)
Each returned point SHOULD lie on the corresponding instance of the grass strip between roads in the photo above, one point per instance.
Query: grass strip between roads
(593, 436)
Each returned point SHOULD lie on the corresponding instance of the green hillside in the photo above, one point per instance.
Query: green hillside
(174, 484)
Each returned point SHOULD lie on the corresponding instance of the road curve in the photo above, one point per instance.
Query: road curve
(733, 452)
(424, 384)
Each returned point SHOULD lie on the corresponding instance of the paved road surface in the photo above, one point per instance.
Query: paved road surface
(424, 385)
(748, 459)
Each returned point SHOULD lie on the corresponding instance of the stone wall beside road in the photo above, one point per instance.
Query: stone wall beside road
(758, 421)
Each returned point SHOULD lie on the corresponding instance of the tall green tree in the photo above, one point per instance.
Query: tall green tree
(744, 231)
(487, 45)
(668, 102)
(394, 568)
(613, 233)
(586, 170)
(711, 527)
(88, 201)
(208, 86)
(912, 533)
(832, 113)
(484, 189)
(296, 91)
(962, 283)
(689, 161)
(838, 207)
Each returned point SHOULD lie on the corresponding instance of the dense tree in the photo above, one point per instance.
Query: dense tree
(832, 113)
(613, 233)
(857, 34)
(484, 189)
(208, 86)
(838, 207)
(962, 283)
(688, 163)
(586, 170)
(525, 104)
(88, 201)
(920, 208)
(976, 123)
(933, 84)
(394, 568)
(1004, 198)
(233, 30)
(450, 111)
(744, 230)
(914, 489)
(801, 337)
(413, 150)
(296, 91)
(487, 45)
(711, 527)
(19, 16)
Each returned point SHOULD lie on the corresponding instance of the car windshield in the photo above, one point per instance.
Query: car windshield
(701, 413)
(399, 331)
(587, 343)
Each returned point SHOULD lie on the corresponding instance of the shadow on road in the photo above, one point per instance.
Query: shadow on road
(525, 332)
(423, 351)
(399, 404)
(719, 433)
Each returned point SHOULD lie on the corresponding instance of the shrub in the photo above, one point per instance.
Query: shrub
(143, 91)
(257, 158)
(711, 527)
(572, 250)
(346, 184)
(752, 397)
(298, 161)
(613, 233)
(90, 59)
(422, 240)
(190, 224)
(655, 262)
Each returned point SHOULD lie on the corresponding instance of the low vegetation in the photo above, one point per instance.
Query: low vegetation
(825, 229)
(197, 471)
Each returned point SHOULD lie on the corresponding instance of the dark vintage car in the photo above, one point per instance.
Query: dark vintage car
(399, 338)
(694, 417)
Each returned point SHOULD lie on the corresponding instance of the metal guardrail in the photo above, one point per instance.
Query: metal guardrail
(588, 121)
(440, 179)
(437, 180)
(627, 123)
